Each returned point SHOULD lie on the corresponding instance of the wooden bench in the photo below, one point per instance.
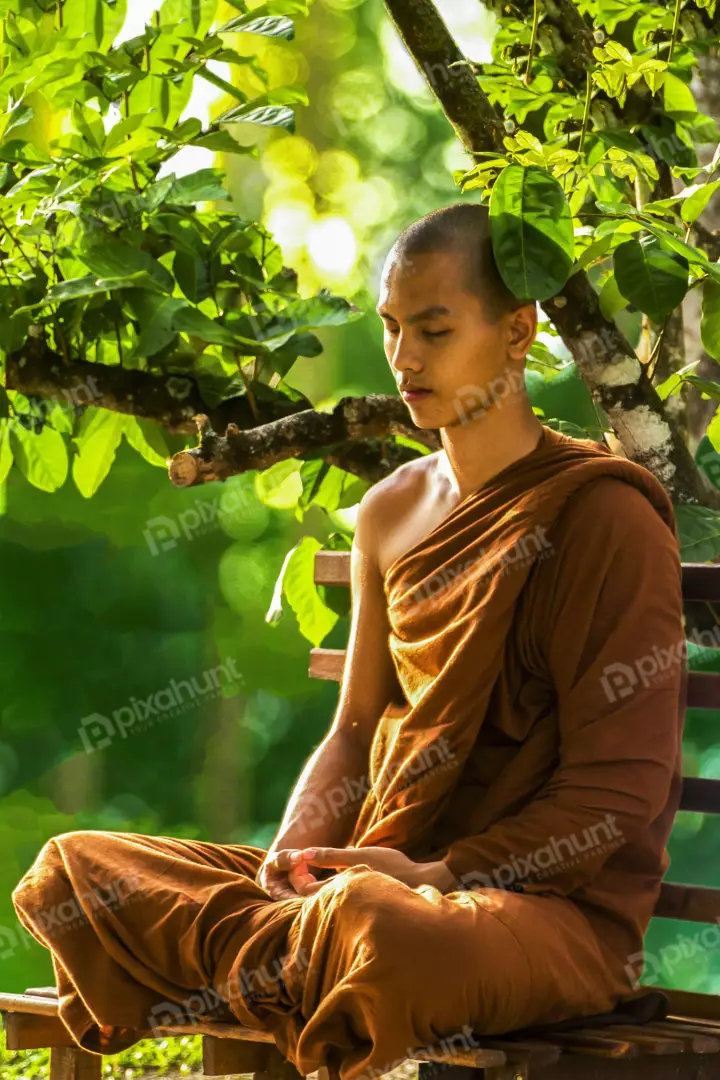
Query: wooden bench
(684, 1046)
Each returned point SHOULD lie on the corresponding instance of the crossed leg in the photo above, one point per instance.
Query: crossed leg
(146, 929)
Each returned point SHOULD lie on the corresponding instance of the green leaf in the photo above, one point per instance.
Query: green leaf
(296, 583)
(13, 330)
(268, 116)
(119, 132)
(677, 96)
(713, 431)
(652, 279)
(6, 454)
(611, 299)
(699, 533)
(201, 186)
(674, 382)
(280, 486)
(707, 457)
(41, 458)
(710, 322)
(74, 288)
(115, 259)
(594, 251)
(222, 142)
(191, 275)
(97, 440)
(155, 314)
(563, 394)
(89, 124)
(19, 115)
(270, 26)
(146, 436)
(328, 486)
(532, 232)
(192, 321)
(694, 204)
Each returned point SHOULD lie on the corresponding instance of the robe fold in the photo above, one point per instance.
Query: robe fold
(537, 634)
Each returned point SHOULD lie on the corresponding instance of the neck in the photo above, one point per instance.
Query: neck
(479, 449)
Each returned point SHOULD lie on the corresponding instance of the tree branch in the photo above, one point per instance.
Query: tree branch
(174, 401)
(708, 240)
(308, 432)
(606, 361)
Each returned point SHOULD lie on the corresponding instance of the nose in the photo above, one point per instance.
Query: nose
(402, 355)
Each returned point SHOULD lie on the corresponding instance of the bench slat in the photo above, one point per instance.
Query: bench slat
(688, 1005)
(703, 690)
(681, 1039)
(689, 903)
(700, 796)
(699, 580)
(332, 568)
(327, 664)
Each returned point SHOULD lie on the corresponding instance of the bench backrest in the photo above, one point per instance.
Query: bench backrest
(701, 584)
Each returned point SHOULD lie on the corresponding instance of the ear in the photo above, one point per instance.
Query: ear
(522, 330)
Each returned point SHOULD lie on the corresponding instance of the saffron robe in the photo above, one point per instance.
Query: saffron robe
(537, 635)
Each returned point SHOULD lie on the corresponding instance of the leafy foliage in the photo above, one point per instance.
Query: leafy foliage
(599, 136)
(108, 256)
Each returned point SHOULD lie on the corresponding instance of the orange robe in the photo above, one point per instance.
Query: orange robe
(538, 638)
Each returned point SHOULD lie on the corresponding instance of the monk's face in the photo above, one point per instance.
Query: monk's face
(449, 361)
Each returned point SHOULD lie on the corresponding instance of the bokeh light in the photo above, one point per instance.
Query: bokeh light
(332, 245)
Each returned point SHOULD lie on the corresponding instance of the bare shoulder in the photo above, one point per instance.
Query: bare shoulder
(388, 501)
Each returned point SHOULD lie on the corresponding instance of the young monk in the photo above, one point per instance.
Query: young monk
(478, 842)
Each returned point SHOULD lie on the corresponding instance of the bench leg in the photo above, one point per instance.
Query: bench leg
(440, 1070)
(232, 1057)
(72, 1063)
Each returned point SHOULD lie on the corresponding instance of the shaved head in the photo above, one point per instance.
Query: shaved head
(462, 229)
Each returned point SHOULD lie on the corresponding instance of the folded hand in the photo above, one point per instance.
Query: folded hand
(386, 860)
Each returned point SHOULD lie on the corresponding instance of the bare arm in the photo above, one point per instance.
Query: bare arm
(326, 800)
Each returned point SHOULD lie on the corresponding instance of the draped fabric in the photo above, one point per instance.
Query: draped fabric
(520, 630)
(451, 604)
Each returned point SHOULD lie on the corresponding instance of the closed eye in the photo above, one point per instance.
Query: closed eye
(392, 330)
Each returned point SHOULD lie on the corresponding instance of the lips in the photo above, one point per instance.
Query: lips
(414, 393)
